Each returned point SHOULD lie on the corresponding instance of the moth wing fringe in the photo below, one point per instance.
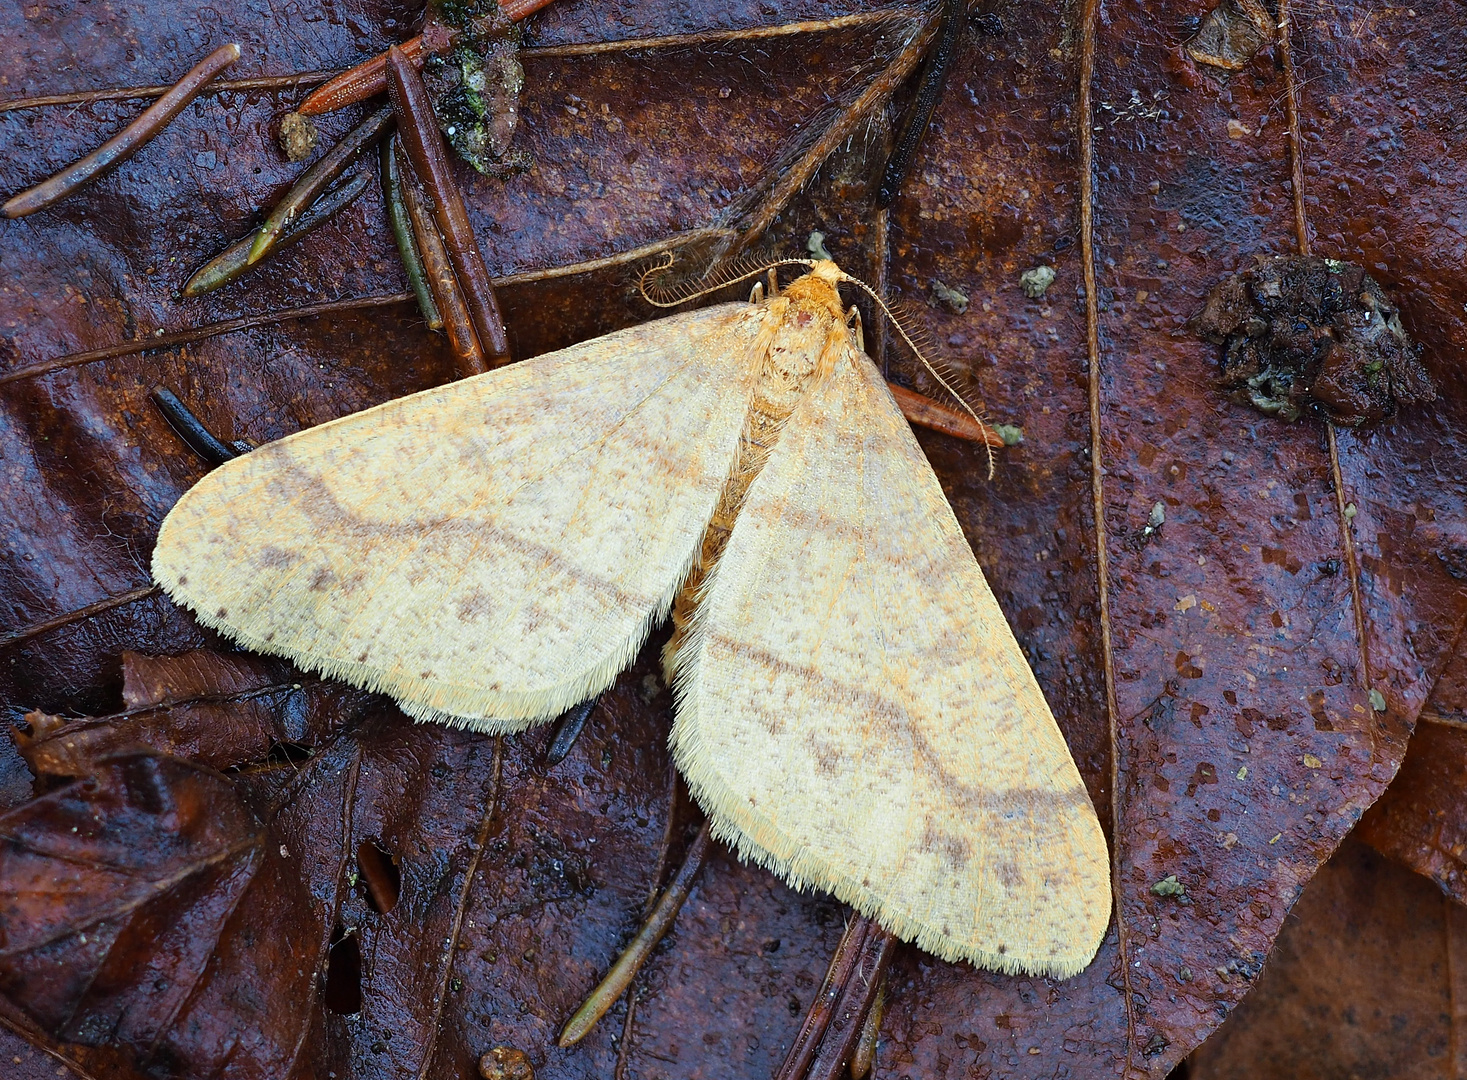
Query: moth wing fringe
(456, 704)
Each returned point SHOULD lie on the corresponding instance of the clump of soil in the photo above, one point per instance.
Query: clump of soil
(1303, 334)
(298, 136)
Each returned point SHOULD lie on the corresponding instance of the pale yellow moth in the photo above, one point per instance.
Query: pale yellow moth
(852, 710)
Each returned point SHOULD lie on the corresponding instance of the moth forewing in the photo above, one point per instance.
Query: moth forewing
(489, 552)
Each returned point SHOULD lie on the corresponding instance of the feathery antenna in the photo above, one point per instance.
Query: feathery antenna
(928, 364)
(659, 296)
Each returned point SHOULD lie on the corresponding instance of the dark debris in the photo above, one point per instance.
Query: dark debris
(1301, 334)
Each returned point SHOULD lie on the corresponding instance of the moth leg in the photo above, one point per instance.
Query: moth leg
(773, 281)
(853, 320)
(756, 294)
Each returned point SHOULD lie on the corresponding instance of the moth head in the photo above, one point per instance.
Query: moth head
(824, 277)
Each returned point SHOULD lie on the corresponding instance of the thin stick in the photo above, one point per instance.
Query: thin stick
(424, 144)
(713, 37)
(317, 179)
(864, 1059)
(235, 259)
(128, 93)
(817, 1018)
(197, 333)
(439, 271)
(847, 1020)
(160, 340)
(370, 77)
(402, 232)
(630, 961)
(1291, 115)
(361, 82)
(922, 410)
(798, 175)
(44, 626)
(126, 142)
(568, 729)
(1089, 28)
(515, 10)
(929, 93)
(1301, 231)
(190, 429)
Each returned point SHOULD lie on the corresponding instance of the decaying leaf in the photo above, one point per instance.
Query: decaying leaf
(164, 916)
(1369, 965)
(1302, 333)
(1194, 724)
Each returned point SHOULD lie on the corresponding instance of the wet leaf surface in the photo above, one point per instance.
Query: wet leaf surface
(1234, 744)
(1366, 980)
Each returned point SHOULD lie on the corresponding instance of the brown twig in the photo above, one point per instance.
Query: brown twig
(1291, 127)
(515, 10)
(635, 954)
(359, 83)
(235, 259)
(424, 145)
(198, 333)
(817, 1018)
(1089, 23)
(451, 942)
(664, 850)
(58, 621)
(369, 78)
(1301, 232)
(317, 178)
(922, 410)
(864, 1058)
(848, 1018)
(126, 142)
(798, 175)
(447, 296)
(128, 93)
(715, 37)
(160, 340)
(402, 232)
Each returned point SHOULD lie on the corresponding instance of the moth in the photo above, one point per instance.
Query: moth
(852, 710)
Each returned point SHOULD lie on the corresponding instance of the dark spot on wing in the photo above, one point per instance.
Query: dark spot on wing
(277, 558)
(955, 851)
(474, 607)
(322, 580)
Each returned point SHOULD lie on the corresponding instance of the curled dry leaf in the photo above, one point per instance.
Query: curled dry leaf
(1219, 702)
(163, 916)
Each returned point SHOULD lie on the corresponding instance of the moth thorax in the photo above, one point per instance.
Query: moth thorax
(801, 353)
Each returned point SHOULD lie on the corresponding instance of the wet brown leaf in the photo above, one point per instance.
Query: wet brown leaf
(1232, 744)
(1366, 980)
(166, 917)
